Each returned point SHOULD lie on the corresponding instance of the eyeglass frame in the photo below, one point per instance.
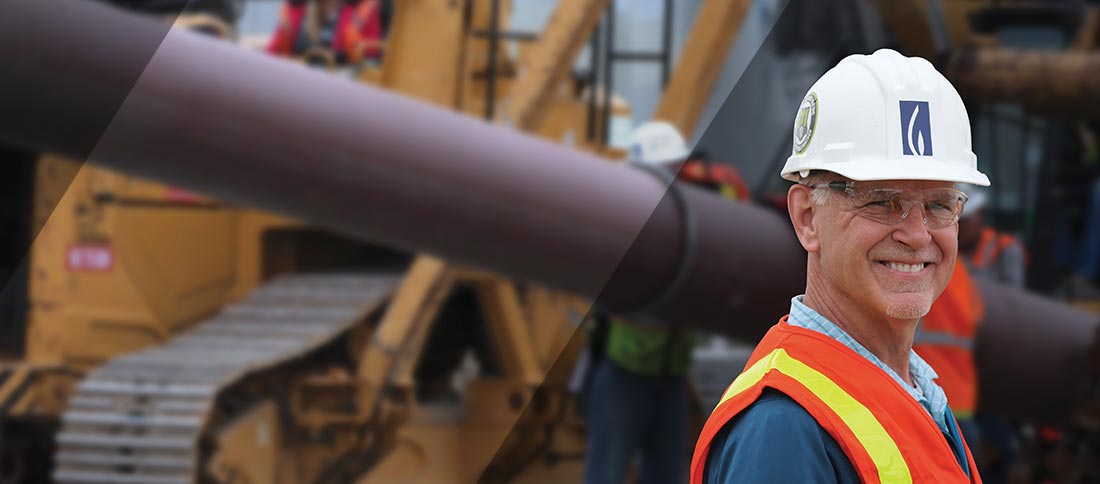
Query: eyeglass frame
(848, 188)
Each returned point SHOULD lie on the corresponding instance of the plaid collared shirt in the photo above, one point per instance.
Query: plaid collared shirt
(927, 393)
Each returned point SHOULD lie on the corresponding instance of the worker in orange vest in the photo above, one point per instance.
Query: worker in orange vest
(834, 392)
(723, 179)
(946, 336)
(348, 30)
(945, 339)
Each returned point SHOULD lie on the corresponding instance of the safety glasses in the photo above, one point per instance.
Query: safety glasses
(941, 206)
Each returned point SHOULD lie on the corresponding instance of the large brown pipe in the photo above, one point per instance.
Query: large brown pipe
(1032, 354)
(1063, 83)
(259, 131)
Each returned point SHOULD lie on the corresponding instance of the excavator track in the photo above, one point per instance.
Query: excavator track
(139, 418)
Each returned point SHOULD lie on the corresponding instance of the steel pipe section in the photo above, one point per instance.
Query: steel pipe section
(1062, 83)
(1033, 354)
(252, 129)
(259, 131)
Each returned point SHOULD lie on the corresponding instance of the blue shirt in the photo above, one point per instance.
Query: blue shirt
(776, 440)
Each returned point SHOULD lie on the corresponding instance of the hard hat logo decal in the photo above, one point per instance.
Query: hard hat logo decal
(916, 126)
(805, 123)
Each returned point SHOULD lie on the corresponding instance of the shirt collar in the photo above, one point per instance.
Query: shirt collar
(927, 392)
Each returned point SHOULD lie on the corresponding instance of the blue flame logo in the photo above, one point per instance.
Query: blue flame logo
(916, 128)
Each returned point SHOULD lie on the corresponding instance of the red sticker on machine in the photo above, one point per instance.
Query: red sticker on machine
(179, 195)
(90, 258)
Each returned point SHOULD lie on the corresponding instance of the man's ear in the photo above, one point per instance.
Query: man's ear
(802, 210)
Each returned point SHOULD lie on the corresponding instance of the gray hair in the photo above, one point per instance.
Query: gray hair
(819, 196)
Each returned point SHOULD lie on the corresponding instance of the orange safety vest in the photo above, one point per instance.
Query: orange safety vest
(358, 31)
(886, 434)
(945, 339)
(362, 31)
(724, 179)
(990, 247)
(290, 24)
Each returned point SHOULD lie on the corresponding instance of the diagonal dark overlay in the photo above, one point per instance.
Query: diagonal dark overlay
(94, 102)
(251, 129)
(747, 315)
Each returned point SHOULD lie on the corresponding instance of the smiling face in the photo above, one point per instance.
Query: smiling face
(890, 271)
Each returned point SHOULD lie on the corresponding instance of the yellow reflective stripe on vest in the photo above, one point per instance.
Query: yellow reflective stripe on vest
(859, 419)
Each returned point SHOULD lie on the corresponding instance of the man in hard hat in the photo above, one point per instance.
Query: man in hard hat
(834, 391)
(637, 399)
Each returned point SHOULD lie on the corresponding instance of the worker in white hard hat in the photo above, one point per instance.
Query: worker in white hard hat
(637, 393)
(657, 143)
(990, 254)
(834, 391)
(997, 256)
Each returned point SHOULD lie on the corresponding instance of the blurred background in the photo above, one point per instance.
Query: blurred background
(156, 334)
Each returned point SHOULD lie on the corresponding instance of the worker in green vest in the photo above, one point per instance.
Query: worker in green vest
(637, 388)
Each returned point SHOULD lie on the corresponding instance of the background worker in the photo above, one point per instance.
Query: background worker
(945, 339)
(637, 397)
(345, 31)
(638, 388)
(725, 180)
(834, 391)
(989, 254)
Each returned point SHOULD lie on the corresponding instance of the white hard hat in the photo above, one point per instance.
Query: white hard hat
(884, 116)
(656, 143)
(976, 198)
